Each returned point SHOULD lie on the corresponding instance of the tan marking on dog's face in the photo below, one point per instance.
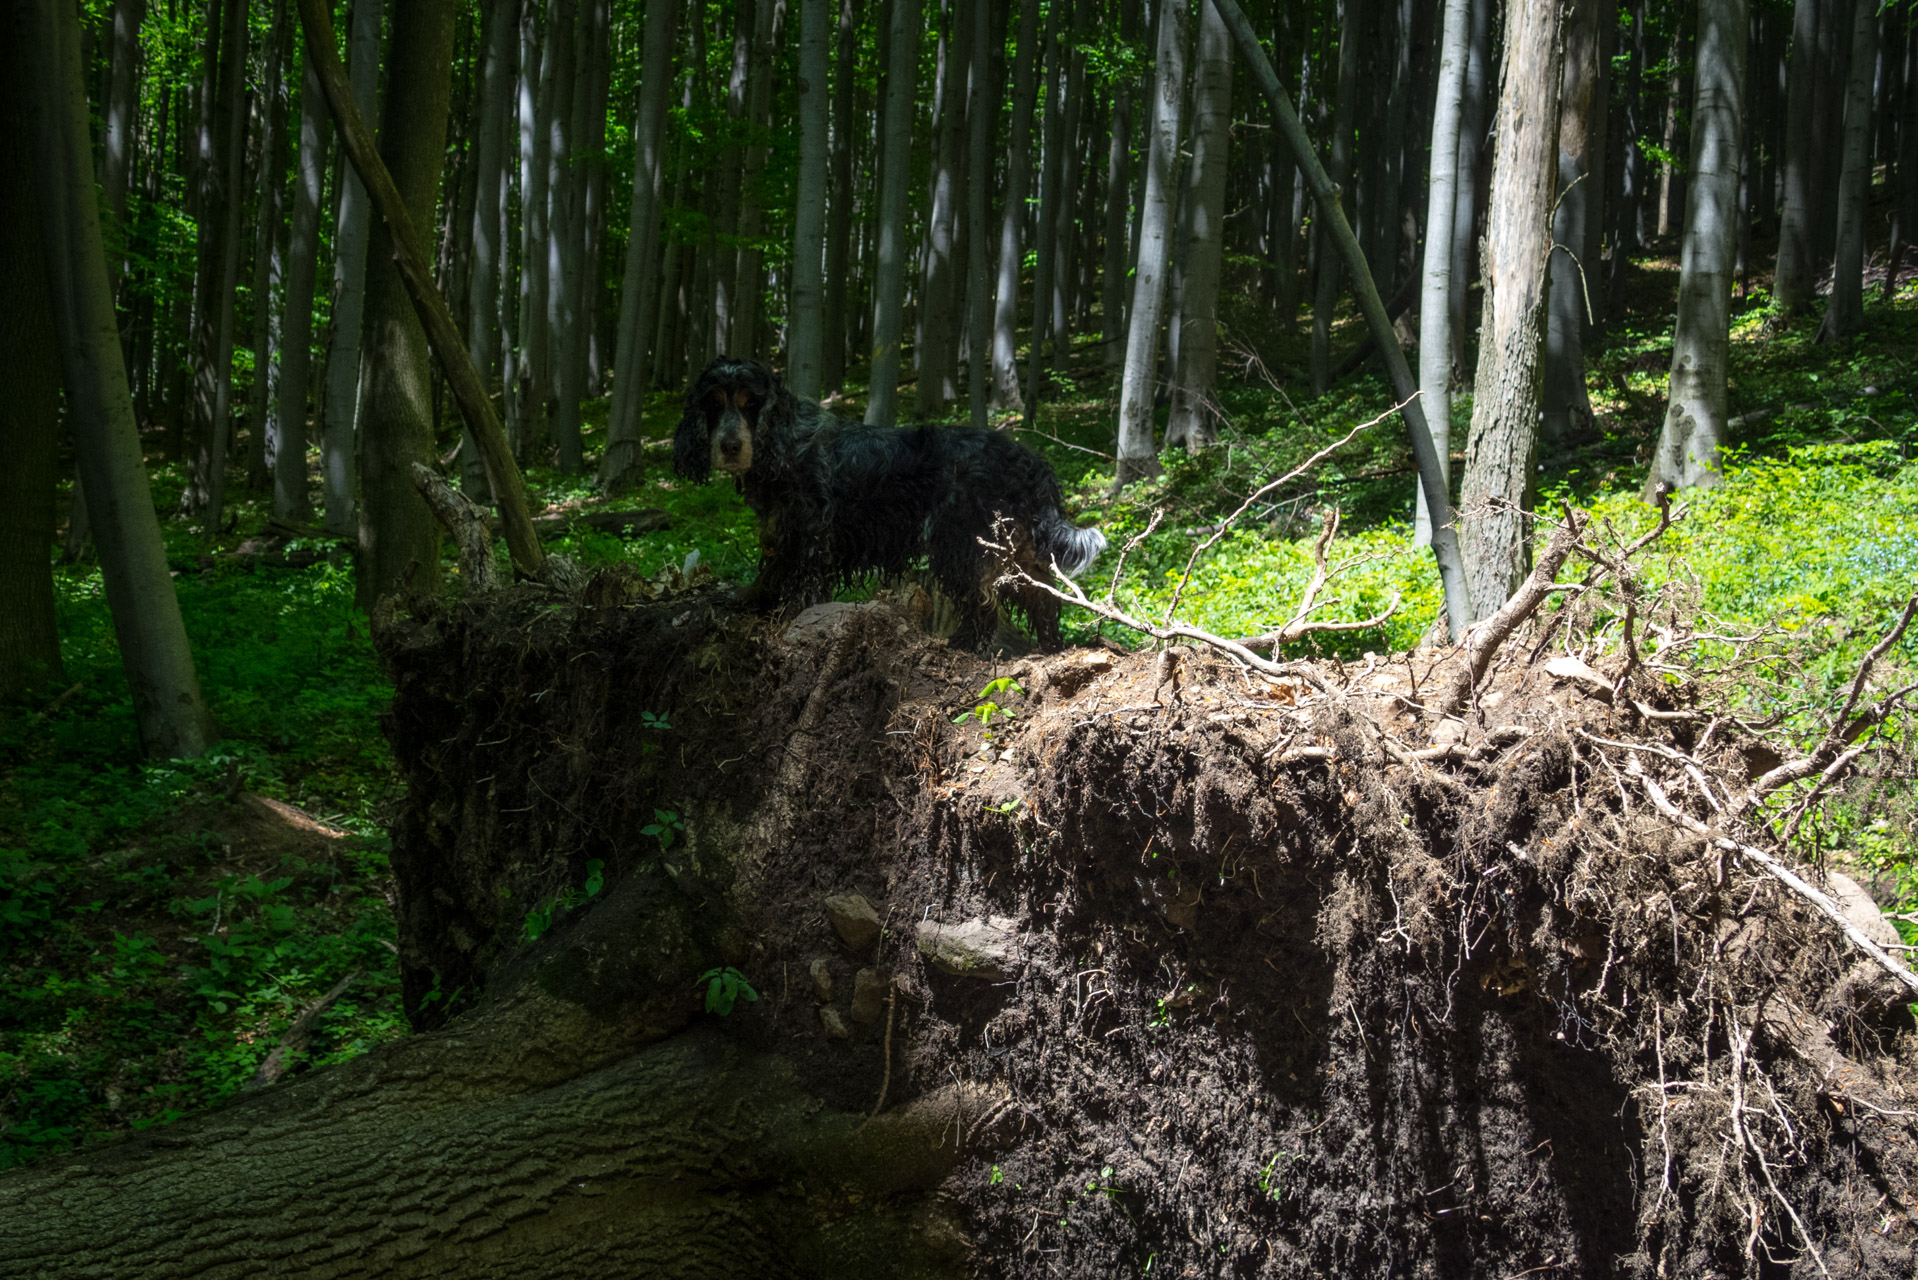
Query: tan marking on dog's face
(732, 435)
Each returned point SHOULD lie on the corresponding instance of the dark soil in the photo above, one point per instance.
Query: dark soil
(1288, 1001)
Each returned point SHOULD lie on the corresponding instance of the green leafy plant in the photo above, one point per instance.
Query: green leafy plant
(987, 708)
(665, 827)
(1272, 1175)
(725, 986)
(541, 918)
(654, 721)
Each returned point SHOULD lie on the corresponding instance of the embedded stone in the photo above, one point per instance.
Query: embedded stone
(987, 948)
(869, 988)
(854, 919)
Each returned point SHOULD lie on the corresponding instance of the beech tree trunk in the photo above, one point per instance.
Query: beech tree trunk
(1118, 200)
(1339, 168)
(30, 372)
(1193, 421)
(291, 502)
(339, 445)
(1582, 103)
(1072, 275)
(937, 355)
(983, 119)
(44, 53)
(563, 58)
(219, 277)
(1045, 220)
(490, 150)
(1796, 276)
(1138, 458)
(1439, 284)
(1471, 148)
(889, 280)
(119, 128)
(1904, 217)
(399, 537)
(1502, 448)
(620, 463)
(1688, 444)
(1005, 306)
(269, 216)
(749, 281)
(1846, 313)
(832, 369)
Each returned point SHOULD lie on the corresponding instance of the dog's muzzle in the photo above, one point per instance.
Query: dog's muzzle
(733, 443)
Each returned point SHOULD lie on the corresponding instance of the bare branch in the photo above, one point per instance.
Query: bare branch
(466, 521)
(1482, 641)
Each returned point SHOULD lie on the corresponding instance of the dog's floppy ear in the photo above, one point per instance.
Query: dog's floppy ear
(692, 447)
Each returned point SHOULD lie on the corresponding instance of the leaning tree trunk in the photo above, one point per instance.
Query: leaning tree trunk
(1796, 278)
(1846, 313)
(1435, 298)
(339, 461)
(620, 463)
(889, 281)
(982, 119)
(399, 538)
(806, 347)
(1326, 293)
(1499, 453)
(1688, 445)
(1566, 404)
(30, 408)
(173, 721)
(1138, 458)
(1005, 304)
(1193, 421)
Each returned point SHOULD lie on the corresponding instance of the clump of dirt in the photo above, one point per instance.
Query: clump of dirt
(1268, 977)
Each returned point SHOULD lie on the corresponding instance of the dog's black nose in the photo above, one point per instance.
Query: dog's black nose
(729, 447)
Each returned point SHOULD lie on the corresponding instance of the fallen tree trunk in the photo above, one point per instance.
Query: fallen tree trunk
(1174, 969)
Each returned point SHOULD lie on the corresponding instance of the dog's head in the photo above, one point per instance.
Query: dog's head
(731, 415)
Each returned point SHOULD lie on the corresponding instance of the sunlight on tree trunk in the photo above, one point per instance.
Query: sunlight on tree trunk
(1193, 421)
(1435, 301)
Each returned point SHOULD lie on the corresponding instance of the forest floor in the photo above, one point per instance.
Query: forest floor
(164, 926)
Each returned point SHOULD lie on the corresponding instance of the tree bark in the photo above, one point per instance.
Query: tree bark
(399, 540)
(1904, 219)
(1503, 444)
(807, 342)
(490, 151)
(1193, 421)
(749, 277)
(1045, 217)
(269, 266)
(1471, 149)
(119, 128)
(1688, 444)
(1339, 169)
(30, 408)
(1846, 313)
(563, 59)
(1629, 198)
(1439, 285)
(621, 462)
(1138, 459)
(983, 118)
(1065, 232)
(339, 436)
(889, 282)
(172, 717)
(533, 385)
(1005, 306)
(1118, 206)
(1795, 279)
(722, 213)
(290, 500)
(936, 357)
(1582, 103)
(832, 369)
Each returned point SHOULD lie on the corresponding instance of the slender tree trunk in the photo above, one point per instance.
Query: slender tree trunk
(290, 500)
(832, 368)
(535, 201)
(889, 283)
(1045, 246)
(268, 265)
(749, 277)
(1688, 445)
(1340, 170)
(1671, 182)
(1066, 225)
(562, 248)
(935, 356)
(1846, 313)
(399, 537)
(220, 209)
(1796, 276)
(1567, 406)
(620, 464)
(1904, 217)
(1504, 440)
(1117, 207)
(1193, 421)
(1471, 150)
(30, 372)
(722, 245)
(119, 128)
(500, 20)
(1435, 301)
(807, 343)
(44, 42)
(1630, 161)
(594, 344)
(339, 445)
(1137, 457)
(1005, 306)
(983, 112)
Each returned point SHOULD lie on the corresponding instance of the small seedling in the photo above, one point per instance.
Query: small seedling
(987, 708)
(724, 986)
(651, 720)
(998, 1176)
(665, 825)
(1272, 1178)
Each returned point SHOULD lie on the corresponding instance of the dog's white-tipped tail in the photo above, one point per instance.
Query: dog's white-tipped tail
(1073, 550)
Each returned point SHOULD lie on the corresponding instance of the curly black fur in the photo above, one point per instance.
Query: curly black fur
(839, 501)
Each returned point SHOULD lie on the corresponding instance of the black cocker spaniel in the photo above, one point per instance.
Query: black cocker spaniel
(838, 501)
